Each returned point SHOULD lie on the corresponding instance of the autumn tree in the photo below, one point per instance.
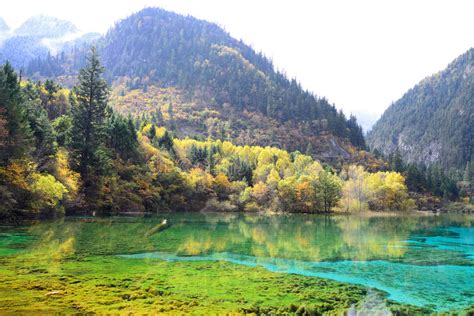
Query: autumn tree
(355, 191)
(328, 190)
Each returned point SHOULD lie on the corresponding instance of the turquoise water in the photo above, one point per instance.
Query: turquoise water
(441, 287)
(421, 260)
(444, 287)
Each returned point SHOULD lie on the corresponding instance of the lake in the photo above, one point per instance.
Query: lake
(425, 261)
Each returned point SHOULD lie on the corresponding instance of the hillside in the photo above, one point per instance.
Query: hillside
(18, 50)
(155, 49)
(433, 123)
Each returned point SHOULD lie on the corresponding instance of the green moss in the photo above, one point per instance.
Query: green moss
(73, 267)
(111, 284)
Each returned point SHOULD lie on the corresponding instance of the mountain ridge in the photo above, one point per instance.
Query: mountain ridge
(159, 48)
(3, 25)
(432, 123)
(45, 26)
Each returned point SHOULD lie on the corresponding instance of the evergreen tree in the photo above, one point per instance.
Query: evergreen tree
(468, 174)
(16, 140)
(414, 178)
(122, 137)
(240, 170)
(62, 130)
(89, 118)
(166, 142)
(152, 133)
(396, 162)
(171, 117)
(43, 136)
(159, 117)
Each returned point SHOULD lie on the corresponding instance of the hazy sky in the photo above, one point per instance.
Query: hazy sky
(361, 55)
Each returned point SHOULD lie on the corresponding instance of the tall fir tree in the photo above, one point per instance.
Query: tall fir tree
(89, 119)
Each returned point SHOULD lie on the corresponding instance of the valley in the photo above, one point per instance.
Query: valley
(167, 167)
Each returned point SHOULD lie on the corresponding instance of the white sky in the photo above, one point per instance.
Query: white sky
(361, 55)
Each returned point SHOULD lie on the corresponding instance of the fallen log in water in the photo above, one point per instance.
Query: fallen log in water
(158, 228)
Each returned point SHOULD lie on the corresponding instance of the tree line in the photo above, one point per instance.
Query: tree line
(68, 151)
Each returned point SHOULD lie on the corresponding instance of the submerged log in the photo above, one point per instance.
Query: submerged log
(158, 228)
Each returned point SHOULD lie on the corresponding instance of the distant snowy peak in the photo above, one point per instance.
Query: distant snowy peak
(38, 36)
(3, 25)
(43, 26)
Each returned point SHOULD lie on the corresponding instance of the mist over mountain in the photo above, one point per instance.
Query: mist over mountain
(37, 37)
(433, 123)
(3, 25)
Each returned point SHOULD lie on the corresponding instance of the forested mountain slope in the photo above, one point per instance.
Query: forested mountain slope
(205, 69)
(433, 123)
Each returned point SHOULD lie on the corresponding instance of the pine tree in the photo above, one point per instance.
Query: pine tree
(309, 149)
(62, 130)
(122, 136)
(211, 163)
(396, 162)
(468, 174)
(152, 133)
(159, 117)
(43, 136)
(16, 140)
(89, 118)
(166, 142)
(171, 117)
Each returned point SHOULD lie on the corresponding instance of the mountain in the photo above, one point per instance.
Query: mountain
(43, 26)
(216, 86)
(39, 36)
(82, 40)
(3, 26)
(433, 123)
(19, 50)
(3, 30)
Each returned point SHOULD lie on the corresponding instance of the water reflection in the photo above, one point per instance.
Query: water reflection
(411, 239)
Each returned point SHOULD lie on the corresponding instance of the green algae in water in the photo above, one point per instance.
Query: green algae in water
(424, 261)
(13, 242)
(111, 284)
